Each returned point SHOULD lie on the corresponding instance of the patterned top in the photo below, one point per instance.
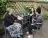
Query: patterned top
(15, 30)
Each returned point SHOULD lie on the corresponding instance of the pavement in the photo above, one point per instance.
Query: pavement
(42, 33)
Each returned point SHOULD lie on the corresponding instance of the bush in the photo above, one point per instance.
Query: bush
(45, 15)
(2, 12)
(26, 8)
(2, 8)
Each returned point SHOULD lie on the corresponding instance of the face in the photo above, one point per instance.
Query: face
(32, 11)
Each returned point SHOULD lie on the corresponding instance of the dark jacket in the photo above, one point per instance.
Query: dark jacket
(8, 20)
(39, 19)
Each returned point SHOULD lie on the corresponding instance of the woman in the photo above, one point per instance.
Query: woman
(9, 19)
(39, 17)
(31, 20)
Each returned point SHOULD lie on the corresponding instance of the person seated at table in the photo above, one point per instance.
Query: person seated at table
(31, 21)
(15, 30)
(39, 17)
(9, 19)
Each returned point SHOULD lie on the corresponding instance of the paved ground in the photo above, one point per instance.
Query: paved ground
(44, 32)
(39, 34)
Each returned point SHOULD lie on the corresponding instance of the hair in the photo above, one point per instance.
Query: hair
(38, 10)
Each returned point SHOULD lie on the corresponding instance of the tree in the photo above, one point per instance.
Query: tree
(2, 8)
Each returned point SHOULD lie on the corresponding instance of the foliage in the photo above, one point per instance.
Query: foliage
(2, 8)
(2, 11)
(26, 8)
(45, 15)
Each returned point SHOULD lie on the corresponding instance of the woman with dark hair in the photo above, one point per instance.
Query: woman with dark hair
(32, 15)
(39, 17)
